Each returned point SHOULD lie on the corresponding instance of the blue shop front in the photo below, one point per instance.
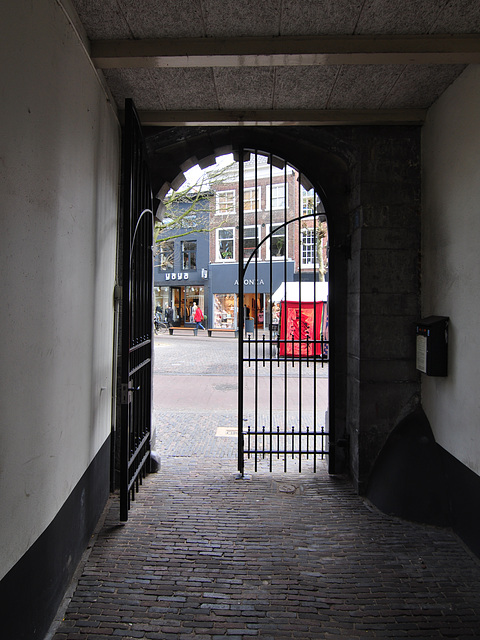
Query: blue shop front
(258, 285)
(181, 278)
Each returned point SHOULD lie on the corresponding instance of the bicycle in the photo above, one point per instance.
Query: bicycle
(160, 327)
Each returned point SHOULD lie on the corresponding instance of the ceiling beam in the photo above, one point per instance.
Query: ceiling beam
(292, 117)
(286, 51)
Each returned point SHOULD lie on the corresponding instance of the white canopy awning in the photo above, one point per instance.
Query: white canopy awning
(309, 292)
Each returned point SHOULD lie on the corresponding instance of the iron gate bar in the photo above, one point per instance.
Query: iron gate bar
(300, 331)
(255, 324)
(241, 241)
(315, 250)
(285, 378)
(270, 265)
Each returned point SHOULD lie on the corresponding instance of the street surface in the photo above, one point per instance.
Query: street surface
(196, 395)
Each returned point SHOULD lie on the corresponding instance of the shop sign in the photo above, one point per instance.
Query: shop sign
(176, 276)
(250, 281)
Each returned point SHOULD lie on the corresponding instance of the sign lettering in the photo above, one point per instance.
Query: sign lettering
(176, 276)
(250, 281)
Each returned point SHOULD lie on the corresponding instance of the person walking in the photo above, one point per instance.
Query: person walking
(198, 317)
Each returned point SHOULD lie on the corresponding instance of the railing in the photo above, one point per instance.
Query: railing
(280, 394)
(281, 443)
(296, 435)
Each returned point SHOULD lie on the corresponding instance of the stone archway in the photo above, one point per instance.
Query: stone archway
(370, 181)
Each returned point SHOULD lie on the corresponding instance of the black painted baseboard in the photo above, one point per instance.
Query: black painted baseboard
(463, 492)
(33, 589)
(416, 479)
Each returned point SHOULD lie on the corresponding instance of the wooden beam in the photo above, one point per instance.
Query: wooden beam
(305, 117)
(286, 51)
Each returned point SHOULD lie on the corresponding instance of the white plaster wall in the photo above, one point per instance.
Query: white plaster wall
(451, 262)
(59, 167)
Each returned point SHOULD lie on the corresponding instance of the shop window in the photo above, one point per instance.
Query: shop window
(166, 255)
(189, 254)
(225, 202)
(225, 243)
(251, 239)
(277, 243)
(224, 311)
(162, 296)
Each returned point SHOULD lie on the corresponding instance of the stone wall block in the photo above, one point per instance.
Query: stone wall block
(353, 276)
(402, 215)
(389, 271)
(388, 371)
(391, 156)
(387, 337)
(353, 334)
(353, 303)
(390, 238)
(389, 304)
(402, 194)
(353, 425)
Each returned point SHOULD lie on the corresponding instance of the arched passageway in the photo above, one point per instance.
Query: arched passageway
(247, 241)
(256, 352)
(369, 181)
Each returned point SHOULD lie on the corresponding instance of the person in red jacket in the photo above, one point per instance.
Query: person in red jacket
(198, 317)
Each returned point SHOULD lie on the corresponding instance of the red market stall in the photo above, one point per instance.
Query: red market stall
(303, 319)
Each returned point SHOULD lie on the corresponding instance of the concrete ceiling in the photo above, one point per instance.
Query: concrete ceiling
(188, 62)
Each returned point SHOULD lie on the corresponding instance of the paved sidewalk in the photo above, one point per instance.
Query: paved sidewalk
(278, 556)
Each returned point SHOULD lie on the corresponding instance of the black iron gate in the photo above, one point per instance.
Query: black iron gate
(283, 333)
(136, 344)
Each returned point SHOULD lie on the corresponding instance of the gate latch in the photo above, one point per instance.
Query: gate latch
(126, 391)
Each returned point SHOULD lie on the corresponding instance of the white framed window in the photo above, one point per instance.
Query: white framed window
(225, 202)
(251, 239)
(309, 248)
(249, 199)
(276, 194)
(311, 203)
(225, 244)
(277, 243)
(307, 202)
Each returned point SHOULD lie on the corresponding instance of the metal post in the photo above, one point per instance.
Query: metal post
(241, 461)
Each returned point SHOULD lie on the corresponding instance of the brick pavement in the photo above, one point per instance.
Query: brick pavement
(278, 556)
(204, 556)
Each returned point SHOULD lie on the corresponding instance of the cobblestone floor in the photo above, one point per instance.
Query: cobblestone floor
(205, 556)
